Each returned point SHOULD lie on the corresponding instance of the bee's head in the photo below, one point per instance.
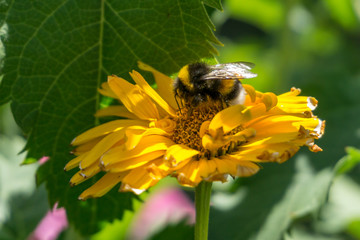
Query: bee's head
(184, 75)
(192, 73)
(197, 70)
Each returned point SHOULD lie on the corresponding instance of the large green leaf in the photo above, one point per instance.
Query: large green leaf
(268, 203)
(179, 231)
(57, 54)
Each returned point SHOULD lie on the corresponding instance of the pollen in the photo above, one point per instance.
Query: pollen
(189, 129)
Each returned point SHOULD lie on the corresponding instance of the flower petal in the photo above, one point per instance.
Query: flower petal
(103, 185)
(106, 128)
(234, 116)
(164, 84)
(135, 134)
(178, 153)
(277, 152)
(152, 93)
(270, 100)
(271, 125)
(251, 93)
(147, 145)
(86, 147)
(158, 169)
(119, 111)
(236, 168)
(106, 91)
(189, 175)
(83, 175)
(73, 163)
(137, 181)
(134, 162)
(104, 145)
(133, 98)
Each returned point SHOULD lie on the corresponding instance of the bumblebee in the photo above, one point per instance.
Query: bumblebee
(199, 83)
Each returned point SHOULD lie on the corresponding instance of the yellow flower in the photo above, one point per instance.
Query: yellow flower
(154, 139)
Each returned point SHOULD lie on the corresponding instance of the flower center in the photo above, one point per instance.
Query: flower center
(188, 130)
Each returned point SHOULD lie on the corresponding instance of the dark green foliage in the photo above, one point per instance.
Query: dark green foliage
(57, 54)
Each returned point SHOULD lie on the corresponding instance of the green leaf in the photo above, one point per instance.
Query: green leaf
(179, 231)
(214, 4)
(354, 228)
(269, 202)
(342, 211)
(57, 54)
(302, 233)
(344, 12)
(349, 161)
(267, 15)
(21, 206)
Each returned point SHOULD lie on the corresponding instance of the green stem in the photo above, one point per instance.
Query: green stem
(202, 205)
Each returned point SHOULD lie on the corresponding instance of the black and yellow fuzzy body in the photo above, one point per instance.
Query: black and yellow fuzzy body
(199, 83)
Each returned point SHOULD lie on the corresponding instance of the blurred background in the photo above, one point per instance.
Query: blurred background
(312, 45)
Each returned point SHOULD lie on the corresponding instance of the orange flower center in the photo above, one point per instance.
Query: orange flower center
(191, 126)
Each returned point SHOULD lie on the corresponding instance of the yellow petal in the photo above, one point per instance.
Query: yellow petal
(166, 124)
(251, 93)
(137, 181)
(198, 170)
(277, 152)
(119, 111)
(270, 100)
(270, 125)
(83, 175)
(208, 167)
(278, 138)
(229, 118)
(106, 128)
(296, 104)
(234, 116)
(135, 134)
(213, 143)
(77, 179)
(294, 92)
(86, 147)
(134, 162)
(147, 144)
(106, 91)
(178, 153)
(104, 145)
(74, 162)
(189, 175)
(151, 93)
(158, 169)
(164, 84)
(133, 98)
(236, 169)
(105, 184)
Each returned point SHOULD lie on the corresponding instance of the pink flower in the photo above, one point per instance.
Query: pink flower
(51, 225)
(166, 206)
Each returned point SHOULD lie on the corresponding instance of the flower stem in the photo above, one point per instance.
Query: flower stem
(202, 205)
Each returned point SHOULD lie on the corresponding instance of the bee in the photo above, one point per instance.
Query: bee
(199, 83)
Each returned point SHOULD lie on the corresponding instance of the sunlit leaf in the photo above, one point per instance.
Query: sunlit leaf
(57, 54)
(348, 162)
(271, 201)
(178, 231)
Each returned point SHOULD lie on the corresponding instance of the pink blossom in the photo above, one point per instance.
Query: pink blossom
(51, 225)
(166, 206)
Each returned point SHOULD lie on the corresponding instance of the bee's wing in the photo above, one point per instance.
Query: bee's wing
(237, 70)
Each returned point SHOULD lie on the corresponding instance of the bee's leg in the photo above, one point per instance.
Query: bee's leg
(189, 112)
(176, 95)
(224, 102)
